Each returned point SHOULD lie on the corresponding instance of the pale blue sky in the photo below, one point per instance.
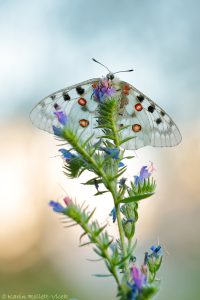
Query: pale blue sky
(47, 45)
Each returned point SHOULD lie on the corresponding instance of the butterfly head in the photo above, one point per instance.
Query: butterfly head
(110, 76)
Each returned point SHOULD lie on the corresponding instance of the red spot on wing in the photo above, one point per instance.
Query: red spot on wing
(126, 89)
(82, 101)
(136, 127)
(138, 107)
(84, 123)
(94, 85)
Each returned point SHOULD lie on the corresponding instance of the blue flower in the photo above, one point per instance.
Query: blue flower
(57, 207)
(122, 182)
(113, 152)
(121, 164)
(96, 185)
(144, 174)
(67, 154)
(62, 117)
(156, 251)
(113, 214)
(154, 259)
(58, 131)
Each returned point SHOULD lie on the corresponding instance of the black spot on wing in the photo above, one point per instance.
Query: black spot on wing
(162, 113)
(80, 90)
(66, 96)
(56, 106)
(158, 121)
(140, 98)
(151, 108)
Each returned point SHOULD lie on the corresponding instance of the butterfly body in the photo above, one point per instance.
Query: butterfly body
(148, 123)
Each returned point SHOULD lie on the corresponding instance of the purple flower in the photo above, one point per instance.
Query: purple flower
(138, 277)
(57, 207)
(113, 214)
(67, 154)
(62, 117)
(103, 90)
(144, 174)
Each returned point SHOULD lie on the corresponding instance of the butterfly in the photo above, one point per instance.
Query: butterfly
(147, 122)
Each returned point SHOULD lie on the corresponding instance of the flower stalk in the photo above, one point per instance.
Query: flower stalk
(104, 159)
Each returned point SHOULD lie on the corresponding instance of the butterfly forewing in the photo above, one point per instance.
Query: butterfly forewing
(43, 115)
(148, 124)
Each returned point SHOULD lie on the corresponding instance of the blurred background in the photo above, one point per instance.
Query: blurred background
(48, 45)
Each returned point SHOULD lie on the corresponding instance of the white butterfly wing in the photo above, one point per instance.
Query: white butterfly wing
(148, 123)
(156, 127)
(43, 117)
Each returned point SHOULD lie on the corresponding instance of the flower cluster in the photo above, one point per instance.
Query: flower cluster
(114, 153)
(139, 281)
(142, 278)
(58, 207)
(103, 89)
(145, 173)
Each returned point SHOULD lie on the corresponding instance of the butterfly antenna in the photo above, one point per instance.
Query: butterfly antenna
(131, 70)
(100, 64)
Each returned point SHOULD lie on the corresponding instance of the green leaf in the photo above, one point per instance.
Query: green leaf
(104, 126)
(82, 235)
(91, 181)
(107, 137)
(100, 193)
(124, 127)
(126, 140)
(128, 157)
(122, 170)
(87, 140)
(136, 198)
(94, 260)
(102, 275)
(85, 244)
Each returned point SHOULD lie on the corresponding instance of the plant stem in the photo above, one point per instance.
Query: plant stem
(105, 252)
(122, 240)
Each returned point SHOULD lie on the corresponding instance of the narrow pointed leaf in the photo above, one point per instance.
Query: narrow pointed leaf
(102, 275)
(100, 193)
(126, 140)
(136, 198)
